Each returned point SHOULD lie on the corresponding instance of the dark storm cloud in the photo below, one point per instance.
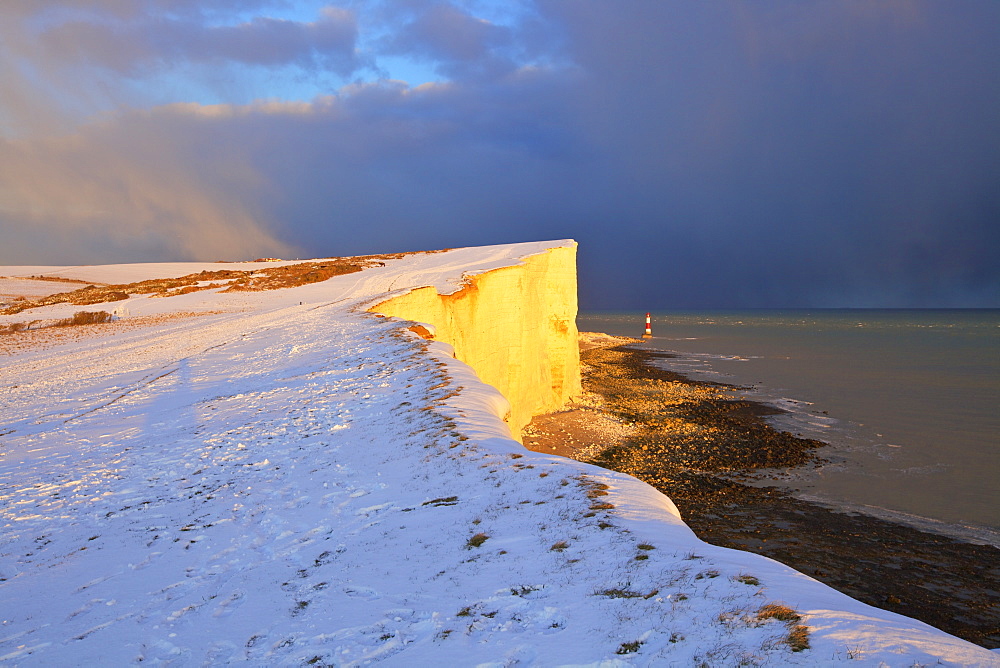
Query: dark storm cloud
(798, 153)
(704, 154)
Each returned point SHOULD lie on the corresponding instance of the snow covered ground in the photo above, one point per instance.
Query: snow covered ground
(286, 479)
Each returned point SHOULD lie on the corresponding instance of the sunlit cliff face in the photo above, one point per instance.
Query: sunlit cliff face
(516, 326)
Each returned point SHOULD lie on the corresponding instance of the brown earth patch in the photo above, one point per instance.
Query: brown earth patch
(265, 278)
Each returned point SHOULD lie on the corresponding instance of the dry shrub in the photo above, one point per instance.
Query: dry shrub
(629, 647)
(79, 318)
(13, 327)
(798, 634)
(95, 295)
(618, 592)
(798, 638)
(293, 275)
(778, 611)
(58, 279)
(747, 579)
(85, 318)
(269, 278)
(477, 540)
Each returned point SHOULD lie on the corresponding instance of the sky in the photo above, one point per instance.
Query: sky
(704, 154)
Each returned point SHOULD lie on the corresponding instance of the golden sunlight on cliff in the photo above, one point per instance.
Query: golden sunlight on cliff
(516, 326)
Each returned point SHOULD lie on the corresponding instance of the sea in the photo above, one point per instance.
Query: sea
(908, 401)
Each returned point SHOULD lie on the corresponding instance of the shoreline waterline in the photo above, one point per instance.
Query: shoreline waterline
(907, 401)
(694, 441)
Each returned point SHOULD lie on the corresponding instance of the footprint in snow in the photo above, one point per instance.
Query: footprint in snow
(222, 652)
(373, 510)
(227, 606)
(86, 607)
(366, 593)
(522, 655)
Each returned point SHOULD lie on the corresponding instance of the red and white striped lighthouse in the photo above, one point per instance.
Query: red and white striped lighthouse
(649, 332)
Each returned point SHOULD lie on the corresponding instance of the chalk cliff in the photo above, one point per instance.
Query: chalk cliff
(516, 326)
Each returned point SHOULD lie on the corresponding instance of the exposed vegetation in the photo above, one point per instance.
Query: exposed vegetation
(85, 318)
(798, 638)
(56, 279)
(618, 592)
(267, 278)
(747, 579)
(798, 634)
(443, 501)
(477, 540)
(629, 647)
(778, 611)
(79, 318)
(13, 327)
(273, 278)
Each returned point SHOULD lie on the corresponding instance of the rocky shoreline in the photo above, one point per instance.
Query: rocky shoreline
(698, 443)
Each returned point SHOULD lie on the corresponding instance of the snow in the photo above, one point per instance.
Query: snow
(132, 273)
(286, 479)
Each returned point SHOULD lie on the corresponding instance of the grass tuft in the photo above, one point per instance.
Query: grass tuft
(629, 647)
(798, 638)
(13, 327)
(798, 635)
(79, 318)
(476, 540)
(85, 318)
(616, 592)
(778, 611)
(443, 501)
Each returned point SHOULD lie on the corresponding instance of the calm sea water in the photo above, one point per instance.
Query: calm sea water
(909, 400)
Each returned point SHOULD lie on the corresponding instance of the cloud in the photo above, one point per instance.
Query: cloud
(705, 154)
(135, 189)
(67, 61)
(461, 44)
(131, 47)
(790, 153)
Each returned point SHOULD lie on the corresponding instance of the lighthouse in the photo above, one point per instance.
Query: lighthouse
(649, 332)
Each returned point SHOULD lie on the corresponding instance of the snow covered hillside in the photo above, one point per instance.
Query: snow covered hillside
(282, 478)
